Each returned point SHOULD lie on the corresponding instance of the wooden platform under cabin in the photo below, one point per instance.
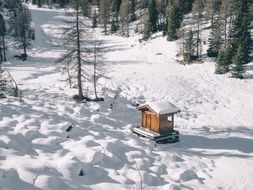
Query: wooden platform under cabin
(170, 136)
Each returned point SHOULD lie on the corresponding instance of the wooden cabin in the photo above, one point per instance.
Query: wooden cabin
(158, 116)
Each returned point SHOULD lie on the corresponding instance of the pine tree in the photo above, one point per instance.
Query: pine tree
(39, 3)
(116, 6)
(238, 62)
(2, 36)
(144, 4)
(240, 32)
(228, 8)
(246, 35)
(162, 26)
(174, 21)
(245, 39)
(163, 8)
(23, 28)
(185, 5)
(226, 16)
(153, 16)
(215, 39)
(132, 11)
(221, 65)
(115, 10)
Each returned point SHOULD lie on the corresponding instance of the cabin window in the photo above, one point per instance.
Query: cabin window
(169, 118)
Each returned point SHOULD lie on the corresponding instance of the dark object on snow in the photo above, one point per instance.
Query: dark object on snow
(78, 98)
(31, 33)
(21, 57)
(157, 122)
(135, 104)
(69, 128)
(98, 99)
(81, 173)
(2, 96)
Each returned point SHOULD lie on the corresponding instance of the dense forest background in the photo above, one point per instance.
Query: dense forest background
(228, 21)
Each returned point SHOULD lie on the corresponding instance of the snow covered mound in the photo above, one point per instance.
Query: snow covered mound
(48, 141)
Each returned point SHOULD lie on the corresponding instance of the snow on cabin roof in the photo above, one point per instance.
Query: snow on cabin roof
(160, 107)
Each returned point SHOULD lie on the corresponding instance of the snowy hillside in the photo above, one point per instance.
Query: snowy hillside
(100, 152)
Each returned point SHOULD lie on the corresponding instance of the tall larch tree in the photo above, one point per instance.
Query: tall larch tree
(189, 47)
(212, 8)
(77, 39)
(125, 16)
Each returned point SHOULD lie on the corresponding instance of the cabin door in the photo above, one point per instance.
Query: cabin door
(154, 124)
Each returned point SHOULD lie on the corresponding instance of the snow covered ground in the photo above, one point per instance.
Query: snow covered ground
(100, 152)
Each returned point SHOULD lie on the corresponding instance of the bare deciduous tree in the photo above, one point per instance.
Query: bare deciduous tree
(77, 38)
(98, 65)
(124, 16)
(198, 7)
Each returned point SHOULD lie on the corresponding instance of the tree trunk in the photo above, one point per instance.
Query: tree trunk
(230, 26)
(128, 19)
(94, 71)
(25, 53)
(198, 35)
(1, 56)
(225, 27)
(39, 3)
(183, 43)
(4, 49)
(79, 64)
(69, 77)
(105, 16)
(24, 42)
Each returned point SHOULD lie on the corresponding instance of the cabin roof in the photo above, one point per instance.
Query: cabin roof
(160, 107)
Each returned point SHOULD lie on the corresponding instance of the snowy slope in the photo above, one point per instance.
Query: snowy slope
(36, 151)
